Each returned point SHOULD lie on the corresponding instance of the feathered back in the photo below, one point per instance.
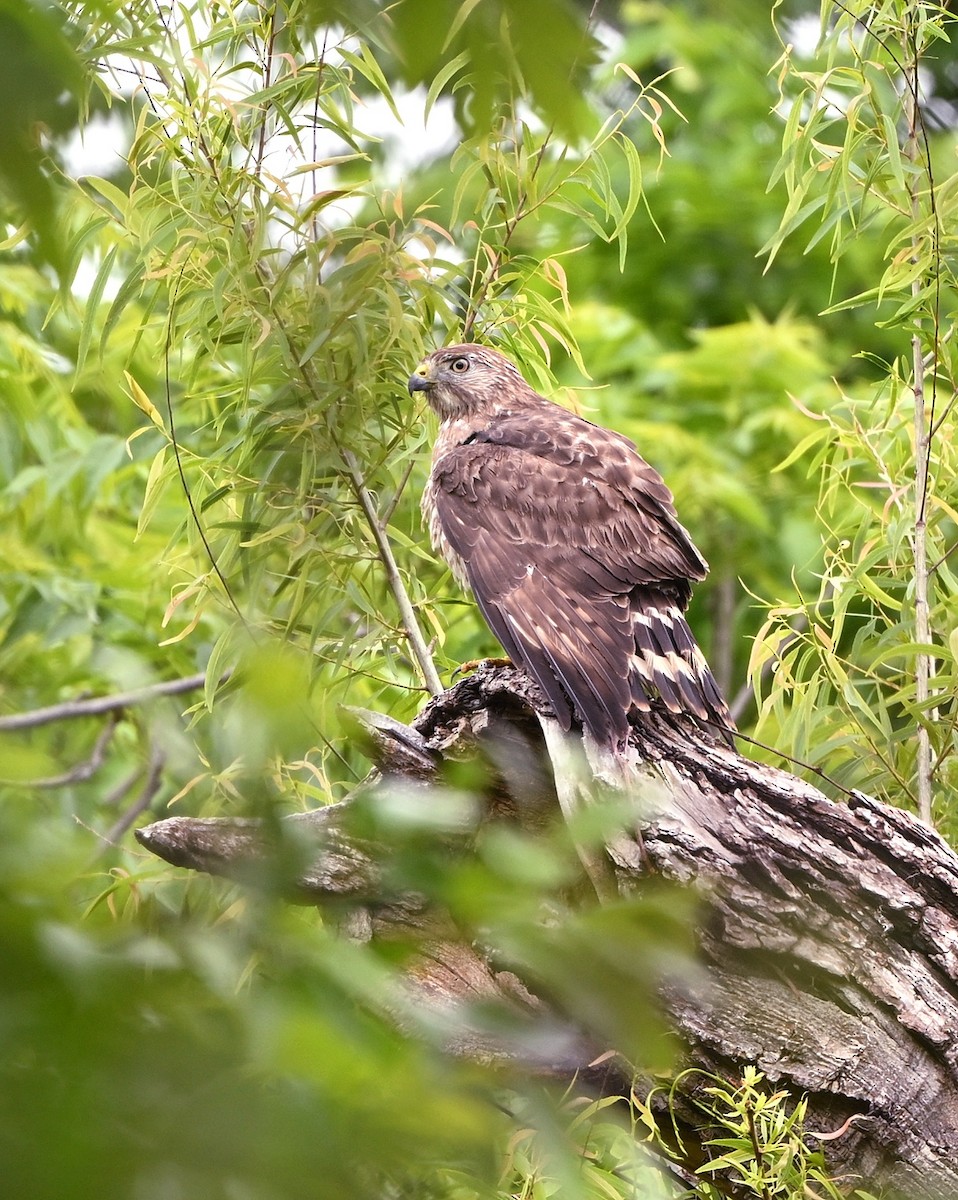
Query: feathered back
(570, 543)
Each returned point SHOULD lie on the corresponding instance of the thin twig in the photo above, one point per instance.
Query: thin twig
(113, 798)
(180, 470)
(314, 219)
(757, 1151)
(150, 787)
(499, 257)
(267, 80)
(84, 770)
(491, 273)
(397, 587)
(918, 152)
(397, 495)
(97, 705)
(797, 762)
(924, 663)
(210, 158)
(377, 526)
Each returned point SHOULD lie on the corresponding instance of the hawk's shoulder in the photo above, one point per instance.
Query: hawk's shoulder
(541, 475)
(549, 431)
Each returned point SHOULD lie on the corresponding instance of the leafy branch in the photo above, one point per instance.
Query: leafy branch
(377, 525)
(857, 152)
(918, 152)
(525, 175)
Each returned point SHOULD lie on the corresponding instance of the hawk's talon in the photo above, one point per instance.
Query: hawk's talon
(473, 664)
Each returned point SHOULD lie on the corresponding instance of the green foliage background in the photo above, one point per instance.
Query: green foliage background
(209, 466)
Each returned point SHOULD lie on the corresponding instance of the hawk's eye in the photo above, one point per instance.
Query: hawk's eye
(459, 365)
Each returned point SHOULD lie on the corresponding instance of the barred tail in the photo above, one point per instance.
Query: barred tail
(668, 664)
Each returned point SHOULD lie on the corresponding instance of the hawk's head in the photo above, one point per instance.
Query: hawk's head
(460, 380)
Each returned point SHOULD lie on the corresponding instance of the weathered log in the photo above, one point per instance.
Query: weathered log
(828, 931)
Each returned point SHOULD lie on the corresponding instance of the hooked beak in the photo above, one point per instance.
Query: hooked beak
(420, 380)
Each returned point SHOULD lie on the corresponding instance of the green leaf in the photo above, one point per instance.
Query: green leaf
(92, 306)
(155, 484)
(442, 77)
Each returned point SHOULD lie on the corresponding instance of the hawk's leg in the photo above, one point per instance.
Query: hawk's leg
(473, 664)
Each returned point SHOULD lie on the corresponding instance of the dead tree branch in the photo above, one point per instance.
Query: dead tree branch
(96, 706)
(828, 933)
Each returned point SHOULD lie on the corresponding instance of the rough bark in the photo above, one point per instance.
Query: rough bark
(828, 931)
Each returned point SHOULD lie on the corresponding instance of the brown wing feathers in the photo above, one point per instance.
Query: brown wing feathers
(541, 610)
(570, 542)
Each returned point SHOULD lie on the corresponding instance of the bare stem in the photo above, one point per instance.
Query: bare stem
(397, 587)
(267, 80)
(924, 662)
(757, 1150)
(84, 770)
(141, 804)
(723, 616)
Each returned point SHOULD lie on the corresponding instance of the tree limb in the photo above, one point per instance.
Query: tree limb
(828, 933)
(94, 706)
(84, 770)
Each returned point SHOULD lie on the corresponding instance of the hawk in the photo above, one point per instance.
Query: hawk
(570, 543)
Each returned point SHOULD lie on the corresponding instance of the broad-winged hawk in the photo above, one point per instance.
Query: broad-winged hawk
(570, 543)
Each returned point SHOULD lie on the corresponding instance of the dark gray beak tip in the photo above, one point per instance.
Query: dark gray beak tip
(418, 383)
